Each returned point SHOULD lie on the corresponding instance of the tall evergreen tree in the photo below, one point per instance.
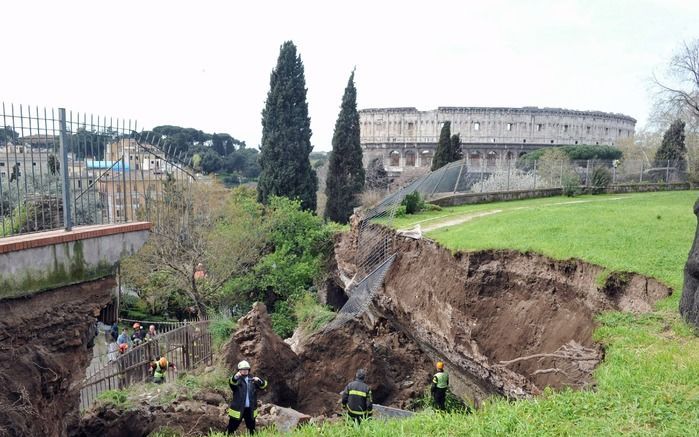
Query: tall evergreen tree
(442, 156)
(672, 148)
(286, 134)
(456, 148)
(345, 178)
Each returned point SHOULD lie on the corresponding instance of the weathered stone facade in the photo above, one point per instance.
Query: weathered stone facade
(406, 137)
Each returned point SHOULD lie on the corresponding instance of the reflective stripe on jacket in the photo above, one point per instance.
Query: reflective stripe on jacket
(240, 387)
(440, 380)
(356, 397)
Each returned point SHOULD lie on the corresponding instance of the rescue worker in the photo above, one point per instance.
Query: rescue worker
(244, 403)
(356, 398)
(159, 369)
(440, 384)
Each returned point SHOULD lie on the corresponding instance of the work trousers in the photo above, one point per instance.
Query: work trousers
(440, 397)
(249, 422)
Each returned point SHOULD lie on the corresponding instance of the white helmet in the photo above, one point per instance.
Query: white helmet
(243, 365)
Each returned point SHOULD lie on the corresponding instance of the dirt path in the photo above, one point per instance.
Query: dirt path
(457, 219)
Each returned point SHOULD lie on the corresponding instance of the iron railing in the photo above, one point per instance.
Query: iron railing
(186, 346)
(60, 169)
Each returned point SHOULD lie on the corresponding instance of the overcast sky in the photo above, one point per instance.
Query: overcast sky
(206, 64)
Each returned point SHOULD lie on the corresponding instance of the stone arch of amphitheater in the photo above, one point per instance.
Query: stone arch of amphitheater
(405, 137)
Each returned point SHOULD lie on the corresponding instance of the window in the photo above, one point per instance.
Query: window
(551, 141)
(565, 128)
(2, 164)
(33, 164)
(576, 141)
(524, 140)
(606, 130)
(539, 127)
(476, 126)
(587, 130)
(80, 184)
(2, 174)
(410, 159)
(619, 132)
(509, 126)
(394, 159)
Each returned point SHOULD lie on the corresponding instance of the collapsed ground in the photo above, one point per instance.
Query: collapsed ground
(505, 323)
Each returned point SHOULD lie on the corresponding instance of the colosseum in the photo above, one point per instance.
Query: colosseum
(406, 137)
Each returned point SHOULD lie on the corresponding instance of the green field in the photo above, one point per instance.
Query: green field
(648, 383)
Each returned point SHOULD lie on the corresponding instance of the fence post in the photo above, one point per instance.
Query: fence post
(508, 174)
(535, 174)
(667, 172)
(482, 169)
(561, 179)
(587, 174)
(63, 139)
(640, 178)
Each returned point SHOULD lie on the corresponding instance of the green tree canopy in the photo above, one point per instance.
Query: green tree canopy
(286, 135)
(441, 155)
(672, 148)
(345, 178)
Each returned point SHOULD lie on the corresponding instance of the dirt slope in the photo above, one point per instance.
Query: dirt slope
(478, 309)
(45, 346)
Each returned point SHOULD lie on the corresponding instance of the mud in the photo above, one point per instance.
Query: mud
(45, 346)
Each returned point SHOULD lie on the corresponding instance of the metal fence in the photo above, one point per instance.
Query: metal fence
(187, 346)
(483, 176)
(375, 240)
(60, 169)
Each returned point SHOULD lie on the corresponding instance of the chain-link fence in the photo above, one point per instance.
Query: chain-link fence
(485, 176)
(60, 169)
(375, 240)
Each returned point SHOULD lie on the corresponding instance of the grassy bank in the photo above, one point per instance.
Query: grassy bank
(648, 384)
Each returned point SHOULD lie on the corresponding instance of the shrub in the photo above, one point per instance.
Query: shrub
(601, 178)
(311, 314)
(571, 184)
(118, 398)
(221, 327)
(413, 203)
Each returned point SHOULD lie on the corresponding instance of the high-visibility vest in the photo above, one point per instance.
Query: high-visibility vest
(441, 380)
(159, 371)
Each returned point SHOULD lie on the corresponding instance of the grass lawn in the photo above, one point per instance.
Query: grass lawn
(648, 384)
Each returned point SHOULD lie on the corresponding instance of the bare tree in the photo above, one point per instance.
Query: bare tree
(680, 90)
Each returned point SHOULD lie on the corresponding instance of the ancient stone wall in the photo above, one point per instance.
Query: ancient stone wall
(406, 137)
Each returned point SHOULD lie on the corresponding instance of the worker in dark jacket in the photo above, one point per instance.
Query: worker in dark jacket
(244, 403)
(440, 384)
(356, 397)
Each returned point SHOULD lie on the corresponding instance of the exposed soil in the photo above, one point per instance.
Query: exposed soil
(45, 347)
(505, 323)
(479, 310)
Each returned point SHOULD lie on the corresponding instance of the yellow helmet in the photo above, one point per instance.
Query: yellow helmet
(163, 362)
(440, 365)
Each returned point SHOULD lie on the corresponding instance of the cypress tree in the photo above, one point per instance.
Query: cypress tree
(456, 148)
(672, 148)
(443, 153)
(286, 134)
(345, 173)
